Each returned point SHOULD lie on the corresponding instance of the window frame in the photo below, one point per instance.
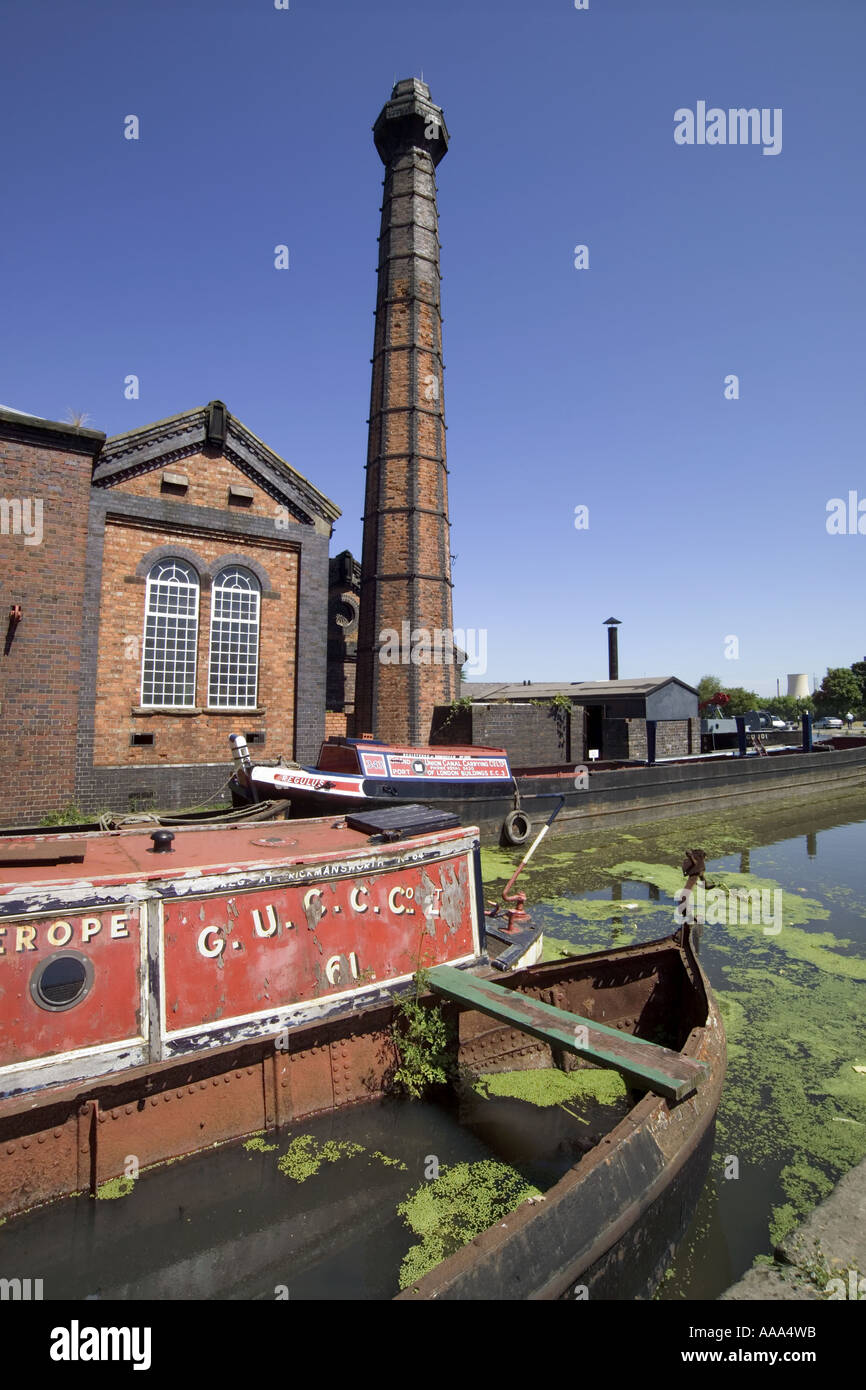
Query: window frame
(193, 583)
(216, 650)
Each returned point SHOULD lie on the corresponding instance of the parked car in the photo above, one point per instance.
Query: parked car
(777, 723)
(828, 722)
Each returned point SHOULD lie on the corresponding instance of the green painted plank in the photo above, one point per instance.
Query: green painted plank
(645, 1064)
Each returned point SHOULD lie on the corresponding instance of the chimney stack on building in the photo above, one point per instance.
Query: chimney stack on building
(406, 657)
(612, 648)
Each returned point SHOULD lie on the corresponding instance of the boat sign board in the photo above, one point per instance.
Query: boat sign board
(235, 956)
(70, 981)
(445, 766)
(137, 955)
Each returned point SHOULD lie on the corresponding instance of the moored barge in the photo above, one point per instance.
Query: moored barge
(162, 995)
(511, 808)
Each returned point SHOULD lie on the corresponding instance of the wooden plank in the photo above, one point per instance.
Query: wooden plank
(645, 1064)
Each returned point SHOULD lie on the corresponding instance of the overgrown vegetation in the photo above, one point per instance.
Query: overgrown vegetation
(70, 815)
(422, 1038)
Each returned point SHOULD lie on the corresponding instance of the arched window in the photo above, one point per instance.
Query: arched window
(170, 635)
(234, 640)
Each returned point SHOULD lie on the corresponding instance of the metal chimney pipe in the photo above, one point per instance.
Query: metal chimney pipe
(612, 649)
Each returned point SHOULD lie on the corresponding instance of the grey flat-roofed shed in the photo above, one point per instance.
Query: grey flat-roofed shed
(646, 697)
(608, 719)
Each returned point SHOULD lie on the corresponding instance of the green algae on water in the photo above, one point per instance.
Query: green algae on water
(257, 1145)
(549, 1086)
(115, 1187)
(389, 1162)
(304, 1157)
(462, 1202)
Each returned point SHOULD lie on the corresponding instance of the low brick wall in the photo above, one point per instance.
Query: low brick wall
(167, 788)
(531, 734)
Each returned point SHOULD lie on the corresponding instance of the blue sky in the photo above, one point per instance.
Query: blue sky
(601, 387)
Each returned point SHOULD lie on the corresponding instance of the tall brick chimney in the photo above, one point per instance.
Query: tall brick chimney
(406, 658)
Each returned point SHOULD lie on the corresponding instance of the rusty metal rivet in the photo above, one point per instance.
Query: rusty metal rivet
(57, 1133)
(114, 1114)
(83, 1110)
(102, 1119)
(283, 1084)
(226, 1079)
(166, 1097)
(190, 1091)
(250, 1071)
(41, 1138)
(128, 1110)
(216, 1081)
(202, 1085)
(179, 1095)
(154, 1101)
(25, 1144)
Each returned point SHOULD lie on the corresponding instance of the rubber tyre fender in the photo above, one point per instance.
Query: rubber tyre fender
(516, 828)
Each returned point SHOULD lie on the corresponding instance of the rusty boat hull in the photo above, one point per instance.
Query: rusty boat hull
(165, 992)
(604, 1230)
(610, 1225)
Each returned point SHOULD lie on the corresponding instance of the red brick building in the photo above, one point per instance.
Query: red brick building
(177, 592)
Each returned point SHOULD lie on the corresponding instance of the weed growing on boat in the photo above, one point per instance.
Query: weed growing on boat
(462, 1202)
(422, 1038)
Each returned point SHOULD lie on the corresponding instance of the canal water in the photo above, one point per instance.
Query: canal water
(339, 1206)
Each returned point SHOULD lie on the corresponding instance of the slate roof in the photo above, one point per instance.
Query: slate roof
(485, 691)
(169, 440)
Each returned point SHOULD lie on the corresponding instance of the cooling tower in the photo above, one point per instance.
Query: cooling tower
(798, 686)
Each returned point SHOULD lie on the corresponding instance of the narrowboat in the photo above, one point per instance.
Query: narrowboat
(508, 808)
(355, 774)
(162, 992)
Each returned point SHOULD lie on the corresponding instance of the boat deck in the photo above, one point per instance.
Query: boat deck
(129, 856)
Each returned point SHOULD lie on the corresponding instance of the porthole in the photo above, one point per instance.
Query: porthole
(61, 981)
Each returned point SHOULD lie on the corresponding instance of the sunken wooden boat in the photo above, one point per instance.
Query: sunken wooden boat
(164, 992)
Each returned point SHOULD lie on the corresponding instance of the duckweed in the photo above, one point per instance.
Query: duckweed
(454, 1208)
(548, 1086)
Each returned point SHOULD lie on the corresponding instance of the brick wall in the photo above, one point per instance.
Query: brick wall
(533, 735)
(406, 565)
(201, 736)
(41, 665)
(132, 521)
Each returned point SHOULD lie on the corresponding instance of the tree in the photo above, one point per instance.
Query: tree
(839, 692)
(707, 686)
(858, 670)
(740, 701)
(787, 706)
